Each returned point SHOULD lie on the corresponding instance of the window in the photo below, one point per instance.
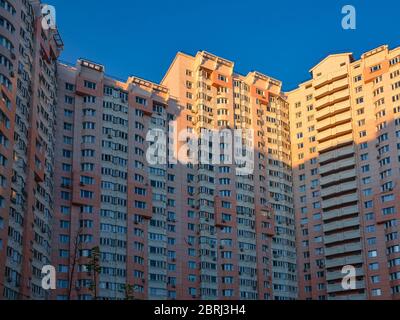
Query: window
(87, 194)
(373, 266)
(222, 78)
(387, 211)
(69, 100)
(365, 168)
(89, 112)
(375, 68)
(376, 292)
(387, 198)
(88, 125)
(65, 195)
(141, 101)
(6, 43)
(5, 81)
(369, 229)
(69, 86)
(90, 85)
(372, 254)
(375, 279)
(89, 99)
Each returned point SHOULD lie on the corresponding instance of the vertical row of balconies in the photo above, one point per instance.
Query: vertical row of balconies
(113, 283)
(338, 181)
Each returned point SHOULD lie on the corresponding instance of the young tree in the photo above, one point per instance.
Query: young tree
(74, 261)
(94, 269)
(129, 292)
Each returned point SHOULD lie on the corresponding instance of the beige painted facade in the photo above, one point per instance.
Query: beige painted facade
(345, 135)
(74, 176)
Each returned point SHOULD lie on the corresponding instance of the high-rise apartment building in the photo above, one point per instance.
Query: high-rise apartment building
(172, 230)
(255, 253)
(28, 64)
(345, 130)
(106, 195)
(275, 196)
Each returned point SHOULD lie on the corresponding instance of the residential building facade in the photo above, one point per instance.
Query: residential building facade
(210, 185)
(171, 230)
(256, 250)
(345, 135)
(28, 64)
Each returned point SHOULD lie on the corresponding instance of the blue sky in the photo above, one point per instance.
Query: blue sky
(282, 39)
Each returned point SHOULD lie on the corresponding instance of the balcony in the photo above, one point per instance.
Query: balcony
(334, 120)
(331, 88)
(337, 177)
(338, 262)
(334, 143)
(338, 275)
(340, 200)
(332, 99)
(343, 236)
(328, 78)
(337, 108)
(338, 225)
(343, 249)
(356, 297)
(340, 188)
(337, 153)
(338, 287)
(337, 165)
(335, 131)
(342, 212)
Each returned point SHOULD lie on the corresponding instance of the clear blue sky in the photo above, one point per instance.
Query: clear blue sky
(141, 38)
